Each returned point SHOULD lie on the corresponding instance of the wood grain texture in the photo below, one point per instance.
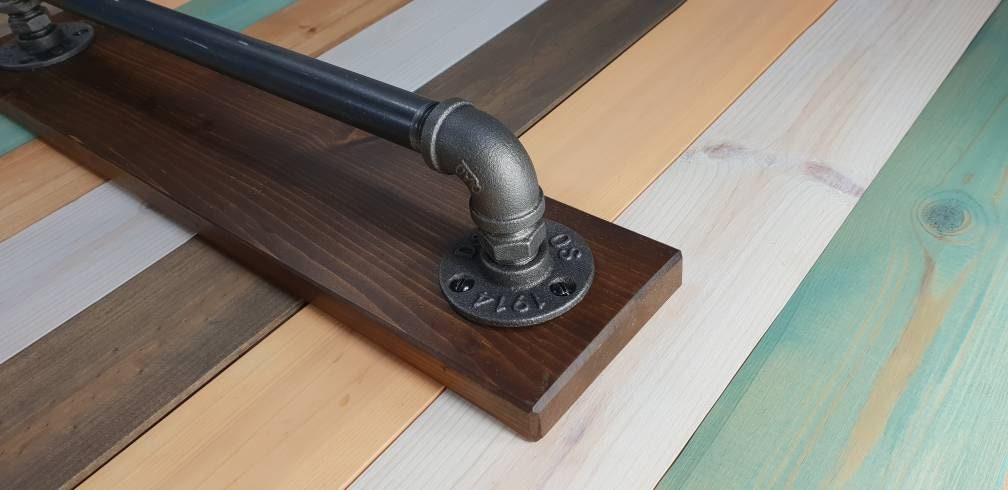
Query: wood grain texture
(345, 441)
(36, 182)
(169, 329)
(42, 180)
(48, 181)
(654, 101)
(426, 37)
(886, 368)
(126, 371)
(308, 26)
(48, 268)
(83, 251)
(263, 424)
(259, 209)
(265, 322)
(563, 54)
(756, 199)
(168, 438)
(12, 135)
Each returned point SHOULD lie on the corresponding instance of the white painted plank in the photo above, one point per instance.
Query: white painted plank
(50, 268)
(63, 264)
(414, 44)
(752, 204)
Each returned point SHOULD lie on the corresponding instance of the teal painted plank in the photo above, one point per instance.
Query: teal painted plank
(236, 15)
(887, 368)
(12, 135)
(233, 14)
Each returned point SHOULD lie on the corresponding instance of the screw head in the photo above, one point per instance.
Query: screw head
(461, 284)
(562, 288)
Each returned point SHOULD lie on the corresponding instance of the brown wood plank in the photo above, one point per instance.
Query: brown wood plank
(83, 392)
(311, 27)
(164, 114)
(567, 41)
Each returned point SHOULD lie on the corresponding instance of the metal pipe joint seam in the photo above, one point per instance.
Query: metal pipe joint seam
(518, 269)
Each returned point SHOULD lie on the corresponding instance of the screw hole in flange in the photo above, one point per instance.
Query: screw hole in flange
(492, 300)
(461, 284)
(562, 287)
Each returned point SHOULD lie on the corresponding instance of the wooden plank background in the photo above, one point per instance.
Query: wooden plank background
(241, 171)
(147, 354)
(725, 93)
(758, 197)
(886, 368)
(574, 33)
(107, 305)
(740, 180)
(744, 78)
(385, 412)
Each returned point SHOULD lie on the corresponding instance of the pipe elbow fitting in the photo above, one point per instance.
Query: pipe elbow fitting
(506, 202)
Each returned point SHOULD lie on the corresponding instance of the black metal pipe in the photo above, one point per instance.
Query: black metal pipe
(506, 202)
(373, 106)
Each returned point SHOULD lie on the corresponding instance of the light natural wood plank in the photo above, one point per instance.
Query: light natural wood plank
(305, 425)
(307, 25)
(653, 101)
(36, 182)
(886, 368)
(757, 197)
(414, 44)
(50, 268)
(172, 4)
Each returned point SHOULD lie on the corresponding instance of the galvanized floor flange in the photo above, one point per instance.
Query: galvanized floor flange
(565, 269)
(76, 36)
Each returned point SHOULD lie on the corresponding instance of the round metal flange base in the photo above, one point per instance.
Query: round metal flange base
(76, 36)
(479, 294)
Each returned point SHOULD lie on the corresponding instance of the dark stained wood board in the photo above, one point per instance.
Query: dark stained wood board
(97, 429)
(514, 60)
(134, 360)
(567, 41)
